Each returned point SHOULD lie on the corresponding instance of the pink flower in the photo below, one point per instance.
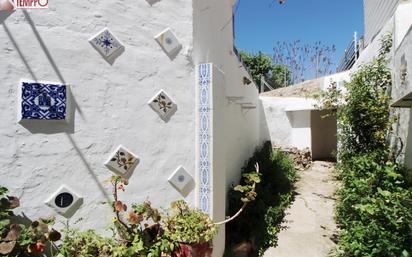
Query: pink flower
(119, 206)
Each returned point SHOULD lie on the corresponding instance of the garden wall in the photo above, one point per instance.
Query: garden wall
(109, 102)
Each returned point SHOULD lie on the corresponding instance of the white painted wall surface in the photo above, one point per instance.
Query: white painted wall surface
(399, 90)
(213, 43)
(403, 21)
(377, 13)
(372, 49)
(338, 78)
(111, 103)
(301, 130)
(285, 121)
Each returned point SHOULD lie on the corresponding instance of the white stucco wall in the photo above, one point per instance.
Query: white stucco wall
(399, 90)
(377, 13)
(111, 103)
(213, 43)
(338, 78)
(286, 121)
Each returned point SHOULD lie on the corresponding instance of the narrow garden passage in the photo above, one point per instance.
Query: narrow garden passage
(309, 224)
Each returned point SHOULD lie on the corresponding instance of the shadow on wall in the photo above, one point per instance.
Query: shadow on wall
(4, 15)
(44, 127)
(264, 128)
(37, 126)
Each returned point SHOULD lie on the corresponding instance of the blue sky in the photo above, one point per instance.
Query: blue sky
(259, 24)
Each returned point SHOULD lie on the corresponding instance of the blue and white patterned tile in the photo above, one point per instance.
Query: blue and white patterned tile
(106, 43)
(43, 101)
(182, 181)
(168, 41)
(204, 135)
(163, 105)
(65, 201)
(122, 161)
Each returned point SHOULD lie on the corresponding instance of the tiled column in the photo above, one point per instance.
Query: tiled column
(210, 145)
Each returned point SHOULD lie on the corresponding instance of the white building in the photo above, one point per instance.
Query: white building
(209, 123)
(205, 124)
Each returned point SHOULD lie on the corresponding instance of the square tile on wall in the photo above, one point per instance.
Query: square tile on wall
(169, 43)
(182, 181)
(43, 101)
(122, 161)
(107, 44)
(163, 105)
(65, 201)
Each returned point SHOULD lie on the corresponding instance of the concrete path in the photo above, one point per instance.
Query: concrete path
(309, 221)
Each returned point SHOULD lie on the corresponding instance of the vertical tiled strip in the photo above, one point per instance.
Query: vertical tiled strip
(204, 130)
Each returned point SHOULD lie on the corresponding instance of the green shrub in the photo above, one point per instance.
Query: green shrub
(261, 220)
(374, 211)
(88, 244)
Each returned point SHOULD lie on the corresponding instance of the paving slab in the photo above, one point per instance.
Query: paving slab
(309, 223)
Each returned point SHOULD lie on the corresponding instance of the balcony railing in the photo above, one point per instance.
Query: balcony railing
(351, 54)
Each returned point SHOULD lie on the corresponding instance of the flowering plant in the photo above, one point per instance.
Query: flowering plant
(19, 239)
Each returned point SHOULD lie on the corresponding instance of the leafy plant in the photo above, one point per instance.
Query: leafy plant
(278, 75)
(88, 244)
(261, 219)
(189, 226)
(374, 210)
(145, 231)
(20, 239)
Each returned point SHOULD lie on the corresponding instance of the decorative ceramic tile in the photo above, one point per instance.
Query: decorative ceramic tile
(122, 161)
(65, 202)
(204, 75)
(168, 41)
(163, 105)
(181, 180)
(106, 43)
(43, 101)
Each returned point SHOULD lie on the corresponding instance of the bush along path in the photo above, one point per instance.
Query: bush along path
(256, 229)
(309, 227)
(374, 209)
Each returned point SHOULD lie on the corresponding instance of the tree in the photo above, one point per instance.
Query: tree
(304, 60)
(281, 76)
(260, 64)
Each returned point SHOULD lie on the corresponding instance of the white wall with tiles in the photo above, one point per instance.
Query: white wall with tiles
(116, 101)
(110, 91)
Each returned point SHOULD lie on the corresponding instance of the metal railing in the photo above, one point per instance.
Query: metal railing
(264, 84)
(351, 54)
